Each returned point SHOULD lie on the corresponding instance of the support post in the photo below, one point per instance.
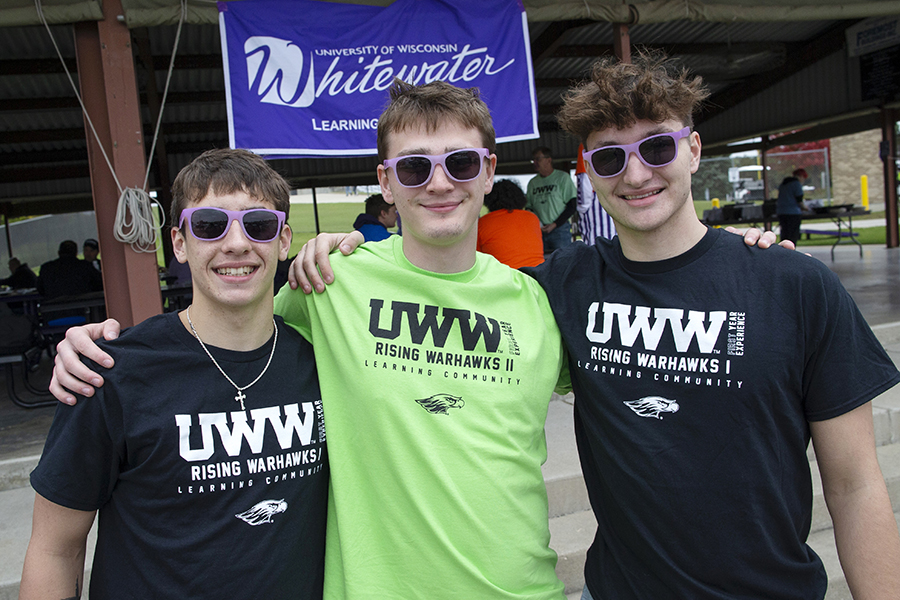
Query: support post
(889, 156)
(622, 42)
(109, 90)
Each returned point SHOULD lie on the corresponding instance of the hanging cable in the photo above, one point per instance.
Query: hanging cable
(134, 224)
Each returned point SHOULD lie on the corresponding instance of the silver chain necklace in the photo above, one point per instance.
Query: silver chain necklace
(240, 390)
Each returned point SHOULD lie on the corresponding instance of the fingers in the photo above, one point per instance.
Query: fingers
(111, 329)
(351, 242)
(311, 268)
(751, 236)
(296, 276)
(767, 240)
(70, 375)
(82, 341)
(788, 244)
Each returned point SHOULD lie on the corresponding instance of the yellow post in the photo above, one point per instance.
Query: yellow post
(715, 201)
(864, 187)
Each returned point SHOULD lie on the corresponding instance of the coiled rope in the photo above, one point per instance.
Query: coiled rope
(135, 224)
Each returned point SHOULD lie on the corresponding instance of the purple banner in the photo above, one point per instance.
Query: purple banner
(308, 78)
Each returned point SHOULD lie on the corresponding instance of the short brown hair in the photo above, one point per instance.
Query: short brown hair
(375, 205)
(225, 171)
(432, 104)
(620, 94)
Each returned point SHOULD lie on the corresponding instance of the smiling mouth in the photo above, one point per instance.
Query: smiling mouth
(235, 271)
(442, 207)
(641, 196)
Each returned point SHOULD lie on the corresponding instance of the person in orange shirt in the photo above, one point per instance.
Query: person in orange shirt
(509, 233)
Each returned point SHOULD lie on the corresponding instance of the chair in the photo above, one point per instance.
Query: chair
(21, 343)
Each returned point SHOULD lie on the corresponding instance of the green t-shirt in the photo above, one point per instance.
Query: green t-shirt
(435, 390)
(547, 196)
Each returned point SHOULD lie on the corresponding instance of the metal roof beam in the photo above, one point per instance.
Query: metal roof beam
(823, 44)
(550, 39)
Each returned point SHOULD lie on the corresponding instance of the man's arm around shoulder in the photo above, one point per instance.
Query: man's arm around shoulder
(54, 562)
(865, 530)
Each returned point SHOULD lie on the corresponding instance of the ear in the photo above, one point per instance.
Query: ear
(284, 241)
(696, 146)
(489, 169)
(178, 245)
(385, 183)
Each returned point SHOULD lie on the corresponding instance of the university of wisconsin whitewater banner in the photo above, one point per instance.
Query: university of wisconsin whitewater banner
(308, 78)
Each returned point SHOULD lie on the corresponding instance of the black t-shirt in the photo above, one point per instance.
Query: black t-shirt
(695, 379)
(197, 498)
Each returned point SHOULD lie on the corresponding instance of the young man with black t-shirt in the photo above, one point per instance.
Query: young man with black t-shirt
(204, 452)
(701, 370)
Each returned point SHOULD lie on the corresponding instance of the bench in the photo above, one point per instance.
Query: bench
(828, 232)
(837, 234)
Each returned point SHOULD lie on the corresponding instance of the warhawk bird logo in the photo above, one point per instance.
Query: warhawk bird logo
(651, 406)
(439, 403)
(262, 511)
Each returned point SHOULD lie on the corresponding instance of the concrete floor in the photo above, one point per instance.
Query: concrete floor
(873, 281)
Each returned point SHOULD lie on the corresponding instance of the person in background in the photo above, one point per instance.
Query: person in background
(68, 275)
(21, 277)
(593, 221)
(379, 216)
(551, 196)
(509, 233)
(91, 250)
(178, 273)
(790, 205)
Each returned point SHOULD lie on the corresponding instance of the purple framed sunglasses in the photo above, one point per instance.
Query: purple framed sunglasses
(211, 224)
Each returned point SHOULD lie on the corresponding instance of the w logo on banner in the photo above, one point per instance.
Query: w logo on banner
(310, 78)
(274, 70)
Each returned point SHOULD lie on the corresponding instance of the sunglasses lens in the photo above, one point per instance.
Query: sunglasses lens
(464, 166)
(659, 150)
(261, 226)
(208, 223)
(413, 171)
(608, 161)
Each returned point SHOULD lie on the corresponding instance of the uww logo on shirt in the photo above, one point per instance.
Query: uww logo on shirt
(670, 319)
(232, 437)
(483, 328)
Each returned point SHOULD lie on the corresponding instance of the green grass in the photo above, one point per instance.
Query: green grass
(333, 218)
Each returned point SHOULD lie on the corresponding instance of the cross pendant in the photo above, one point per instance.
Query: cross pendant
(240, 398)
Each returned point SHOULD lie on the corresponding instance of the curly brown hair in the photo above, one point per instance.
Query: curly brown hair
(619, 94)
(433, 103)
(506, 195)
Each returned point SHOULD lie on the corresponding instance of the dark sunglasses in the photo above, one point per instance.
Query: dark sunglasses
(211, 224)
(418, 169)
(654, 151)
